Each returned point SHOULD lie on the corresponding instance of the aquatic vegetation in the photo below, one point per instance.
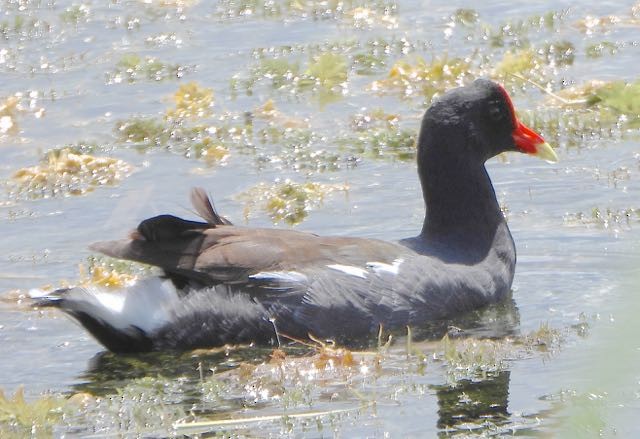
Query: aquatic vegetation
(174, 131)
(327, 70)
(16, 106)
(75, 14)
(573, 126)
(620, 97)
(192, 101)
(315, 381)
(298, 149)
(558, 53)
(211, 151)
(86, 147)
(614, 102)
(597, 50)
(24, 26)
(325, 76)
(109, 278)
(282, 66)
(147, 131)
(287, 201)
(284, 141)
(474, 356)
(275, 118)
(163, 40)
(465, 17)
(368, 63)
(425, 78)
(378, 135)
(514, 33)
(144, 407)
(211, 139)
(523, 62)
(577, 95)
(376, 118)
(63, 172)
(468, 357)
(108, 272)
(279, 71)
(133, 67)
(545, 338)
(8, 112)
(380, 143)
(591, 24)
(20, 418)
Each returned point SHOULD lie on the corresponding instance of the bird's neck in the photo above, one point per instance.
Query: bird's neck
(462, 213)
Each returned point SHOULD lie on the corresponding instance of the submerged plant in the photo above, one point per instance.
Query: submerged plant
(597, 50)
(75, 14)
(20, 418)
(63, 172)
(395, 144)
(622, 98)
(8, 112)
(378, 135)
(287, 201)
(515, 33)
(524, 62)
(328, 70)
(574, 127)
(211, 151)
(147, 131)
(617, 102)
(108, 272)
(472, 355)
(325, 76)
(425, 78)
(133, 67)
(192, 101)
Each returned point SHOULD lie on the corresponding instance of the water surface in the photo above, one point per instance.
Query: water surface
(65, 63)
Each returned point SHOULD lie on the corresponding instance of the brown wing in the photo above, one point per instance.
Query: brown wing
(205, 254)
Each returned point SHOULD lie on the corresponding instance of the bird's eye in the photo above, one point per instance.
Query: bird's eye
(495, 113)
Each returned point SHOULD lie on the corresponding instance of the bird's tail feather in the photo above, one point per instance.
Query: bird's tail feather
(122, 321)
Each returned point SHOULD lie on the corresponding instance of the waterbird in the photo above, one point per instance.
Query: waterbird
(225, 284)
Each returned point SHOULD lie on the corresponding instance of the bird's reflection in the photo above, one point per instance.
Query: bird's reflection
(471, 402)
(461, 404)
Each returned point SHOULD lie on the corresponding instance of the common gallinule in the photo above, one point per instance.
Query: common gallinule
(228, 284)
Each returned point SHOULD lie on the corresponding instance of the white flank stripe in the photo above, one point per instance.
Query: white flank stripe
(381, 267)
(282, 276)
(349, 269)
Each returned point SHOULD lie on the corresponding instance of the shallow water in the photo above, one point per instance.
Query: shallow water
(572, 264)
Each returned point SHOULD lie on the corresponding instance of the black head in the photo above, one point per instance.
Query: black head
(477, 122)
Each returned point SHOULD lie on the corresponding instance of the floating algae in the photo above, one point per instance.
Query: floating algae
(64, 172)
(287, 201)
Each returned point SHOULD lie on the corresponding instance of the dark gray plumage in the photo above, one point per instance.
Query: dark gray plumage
(234, 283)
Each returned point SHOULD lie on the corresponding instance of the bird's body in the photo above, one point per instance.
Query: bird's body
(227, 284)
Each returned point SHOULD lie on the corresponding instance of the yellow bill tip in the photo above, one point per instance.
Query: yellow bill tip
(545, 152)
